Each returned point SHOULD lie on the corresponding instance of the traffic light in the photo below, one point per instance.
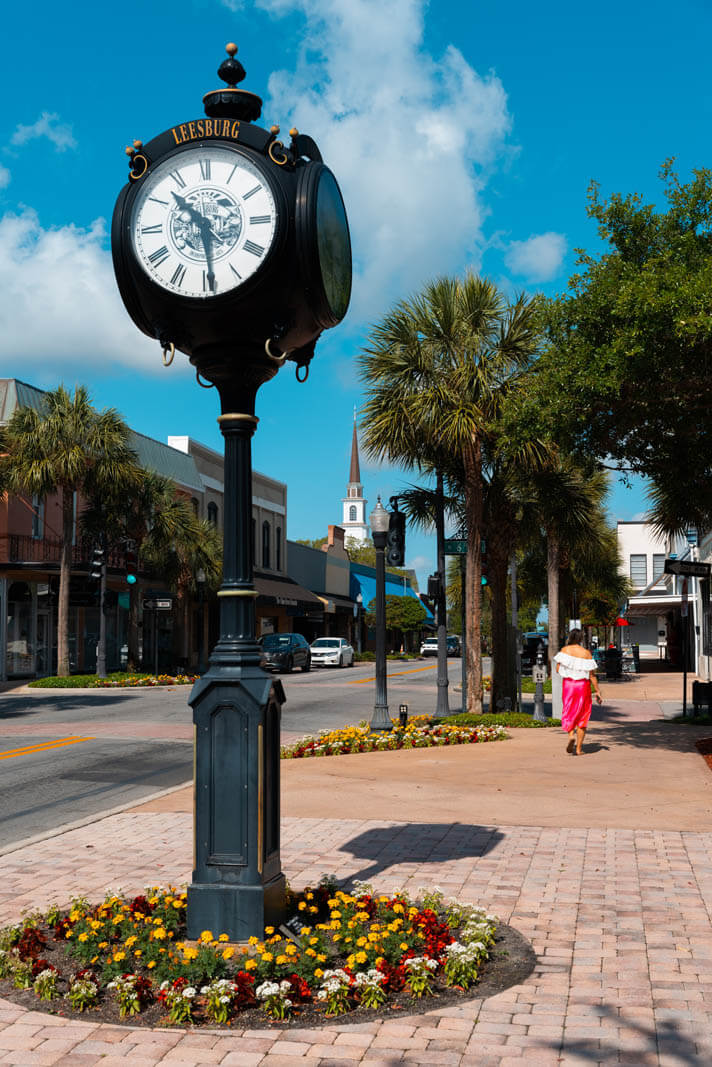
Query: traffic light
(395, 540)
(434, 586)
(98, 559)
(131, 561)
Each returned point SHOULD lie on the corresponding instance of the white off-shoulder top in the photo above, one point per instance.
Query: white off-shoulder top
(574, 667)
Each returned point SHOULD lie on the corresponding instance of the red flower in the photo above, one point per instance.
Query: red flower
(300, 988)
(31, 943)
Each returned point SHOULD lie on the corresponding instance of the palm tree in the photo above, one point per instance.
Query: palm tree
(171, 540)
(436, 369)
(69, 448)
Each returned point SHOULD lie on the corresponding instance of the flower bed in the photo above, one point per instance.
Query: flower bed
(118, 680)
(356, 951)
(418, 733)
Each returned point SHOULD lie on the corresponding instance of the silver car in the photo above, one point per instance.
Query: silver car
(332, 652)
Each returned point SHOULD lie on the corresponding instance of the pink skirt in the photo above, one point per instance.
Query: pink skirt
(577, 703)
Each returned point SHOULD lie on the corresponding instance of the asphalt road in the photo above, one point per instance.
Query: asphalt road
(68, 755)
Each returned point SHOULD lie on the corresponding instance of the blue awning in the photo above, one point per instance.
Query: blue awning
(365, 584)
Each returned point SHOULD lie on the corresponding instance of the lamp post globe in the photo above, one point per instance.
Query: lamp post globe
(380, 520)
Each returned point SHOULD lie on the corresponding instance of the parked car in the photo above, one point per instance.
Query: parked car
(283, 652)
(332, 651)
(530, 644)
(429, 646)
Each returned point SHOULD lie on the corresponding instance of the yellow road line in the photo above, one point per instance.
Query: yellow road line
(43, 746)
(413, 670)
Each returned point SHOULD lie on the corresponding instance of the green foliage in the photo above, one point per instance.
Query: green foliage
(317, 542)
(610, 383)
(404, 613)
(503, 718)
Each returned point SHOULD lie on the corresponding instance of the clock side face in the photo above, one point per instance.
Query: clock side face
(203, 222)
(333, 244)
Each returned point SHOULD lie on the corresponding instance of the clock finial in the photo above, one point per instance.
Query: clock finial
(232, 102)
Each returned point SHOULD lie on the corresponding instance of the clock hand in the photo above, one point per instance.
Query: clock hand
(206, 234)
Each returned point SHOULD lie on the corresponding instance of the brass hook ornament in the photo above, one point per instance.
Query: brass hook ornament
(203, 385)
(305, 368)
(277, 359)
(170, 349)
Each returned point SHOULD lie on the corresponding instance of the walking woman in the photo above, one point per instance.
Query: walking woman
(577, 668)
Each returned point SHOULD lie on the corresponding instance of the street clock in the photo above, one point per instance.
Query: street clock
(228, 244)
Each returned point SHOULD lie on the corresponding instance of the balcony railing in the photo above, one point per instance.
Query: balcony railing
(21, 548)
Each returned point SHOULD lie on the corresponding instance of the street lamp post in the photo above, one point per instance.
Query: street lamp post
(379, 529)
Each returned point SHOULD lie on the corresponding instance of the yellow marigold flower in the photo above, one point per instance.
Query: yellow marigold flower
(321, 959)
(301, 906)
(280, 960)
(361, 942)
(310, 952)
(306, 930)
(180, 945)
(138, 953)
(352, 923)
(252, 940)
(228, 953)
(351, 961)
(83, 937)
(94, 959)
(362, 916)
(348, 940)
(267, 957)
(130, 941)
(398, 909)
(153, 901)
(224, 937)
(332, 903)
(312, 909)
(269, 929)
(69, 933)
(335, 924)
(117, 919)
(361, 957)
(119, 956)
(151, 964)
(336, 914)
(310, 896)
(403, 946)
(313, 940)
(190, 954)
(249, 965)
(337, 937)
(103, 944)
(159, 934)
(378, 961)
(73, 916)
(95, 925)
(159, 922)
(206, 936)
(318, 973)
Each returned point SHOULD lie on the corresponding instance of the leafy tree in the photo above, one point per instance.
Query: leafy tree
(436, 369)
(627, 373)
(403, 613)
(365, 553)
(67, 447)
(317, 542)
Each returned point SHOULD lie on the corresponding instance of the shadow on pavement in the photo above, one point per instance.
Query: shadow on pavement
(667, 1040)
(16, 706)
(654, 734)
(416, 843)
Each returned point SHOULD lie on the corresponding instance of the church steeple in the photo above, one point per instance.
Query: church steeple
(354, 503)
(355, 474)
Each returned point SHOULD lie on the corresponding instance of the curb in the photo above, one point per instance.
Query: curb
(97, 817)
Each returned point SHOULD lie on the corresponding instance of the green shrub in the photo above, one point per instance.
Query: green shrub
(502, 718)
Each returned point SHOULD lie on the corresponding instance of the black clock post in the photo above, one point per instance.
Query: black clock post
(240, 289)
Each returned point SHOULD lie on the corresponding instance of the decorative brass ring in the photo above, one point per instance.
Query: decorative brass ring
(279, 162)
(306, 372)
(210, 385)
(134, 161)
(277, 359)
(238, 592)
(236, 416)
(171, 349)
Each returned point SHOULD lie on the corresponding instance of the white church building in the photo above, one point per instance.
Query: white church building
(354, 503)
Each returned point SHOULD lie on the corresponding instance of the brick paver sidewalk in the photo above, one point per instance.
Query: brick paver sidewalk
(619, 919)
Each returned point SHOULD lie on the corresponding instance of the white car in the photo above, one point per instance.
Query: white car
(332, 652)
(429, 646)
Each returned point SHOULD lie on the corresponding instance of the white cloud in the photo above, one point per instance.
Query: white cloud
(409, 137)
(49, 126)
(4, 177)
(59, 304)
(539, 258)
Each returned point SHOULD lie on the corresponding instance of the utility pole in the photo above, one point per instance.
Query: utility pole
(98, 573)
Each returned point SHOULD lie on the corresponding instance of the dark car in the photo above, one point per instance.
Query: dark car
(454, 648)
(283, 652)
(530, 644)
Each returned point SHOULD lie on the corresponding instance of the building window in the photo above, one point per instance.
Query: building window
(658, 566)
(38, 515)
(196, 506)
(265, 545)
(213, 513)
(278, 549)
(639, 570)
(352, 513)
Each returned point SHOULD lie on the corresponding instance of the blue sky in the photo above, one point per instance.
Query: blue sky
(463, 134)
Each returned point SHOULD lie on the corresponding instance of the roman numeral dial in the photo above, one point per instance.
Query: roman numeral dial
(204, 221)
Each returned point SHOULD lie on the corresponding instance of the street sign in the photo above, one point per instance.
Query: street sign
(455, 547)
(688, 568)
(166, 604)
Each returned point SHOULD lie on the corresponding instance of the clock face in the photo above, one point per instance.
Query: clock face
(203, 222)
(333, 244)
